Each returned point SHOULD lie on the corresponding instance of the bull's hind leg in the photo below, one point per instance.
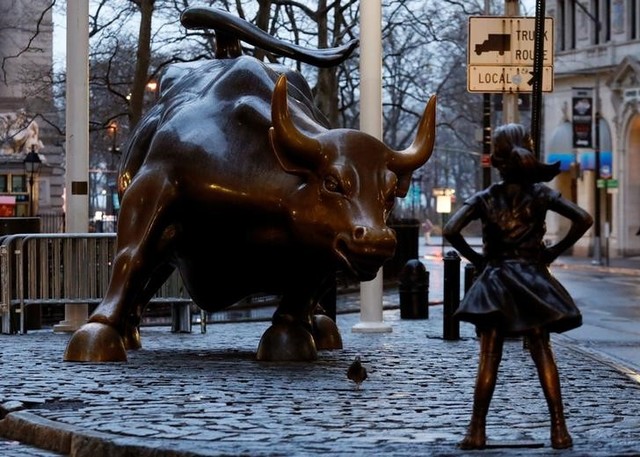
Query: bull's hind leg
(131, 333)
(144, 237)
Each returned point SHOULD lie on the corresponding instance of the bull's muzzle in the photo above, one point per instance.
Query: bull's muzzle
(365, 249)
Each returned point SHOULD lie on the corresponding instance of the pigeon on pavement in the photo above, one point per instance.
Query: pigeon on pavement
(356, 372)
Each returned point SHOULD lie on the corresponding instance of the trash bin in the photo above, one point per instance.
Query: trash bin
(12, 226)
(407, 236)
(413, 287)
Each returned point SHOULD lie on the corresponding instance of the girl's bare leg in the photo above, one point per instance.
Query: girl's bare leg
(548, 373)
(491, 343)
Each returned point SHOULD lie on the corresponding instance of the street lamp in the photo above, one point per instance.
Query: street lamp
(444, 199)
(32, 164)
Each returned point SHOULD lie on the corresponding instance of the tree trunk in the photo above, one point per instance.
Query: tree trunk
(142, 62)
(326, 90)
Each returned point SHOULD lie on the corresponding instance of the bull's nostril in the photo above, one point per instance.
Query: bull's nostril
(359, 232)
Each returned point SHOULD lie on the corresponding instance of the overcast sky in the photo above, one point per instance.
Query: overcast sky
(59, 31)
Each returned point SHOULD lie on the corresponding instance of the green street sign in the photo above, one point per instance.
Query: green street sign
(607, 183)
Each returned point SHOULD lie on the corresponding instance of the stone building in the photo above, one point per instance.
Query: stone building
(29, 119)
(597, 73)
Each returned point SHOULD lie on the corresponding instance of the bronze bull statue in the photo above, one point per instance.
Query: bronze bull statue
(234, 179)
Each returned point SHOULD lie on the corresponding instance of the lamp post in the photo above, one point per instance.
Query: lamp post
(32, 164)
(112, 172)
(444, 199)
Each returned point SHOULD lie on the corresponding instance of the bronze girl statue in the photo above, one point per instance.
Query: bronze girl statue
(514, 293)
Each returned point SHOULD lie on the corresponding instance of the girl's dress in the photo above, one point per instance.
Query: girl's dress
(516, 292)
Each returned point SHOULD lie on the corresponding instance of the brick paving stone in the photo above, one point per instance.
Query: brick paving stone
(195, 394)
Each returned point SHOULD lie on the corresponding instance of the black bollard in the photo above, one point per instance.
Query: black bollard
(469, 276)
(451, 326)
(413, 286)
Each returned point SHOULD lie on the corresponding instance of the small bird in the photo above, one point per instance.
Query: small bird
(356, 372)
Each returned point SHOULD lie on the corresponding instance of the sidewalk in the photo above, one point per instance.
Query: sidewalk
(204, 394)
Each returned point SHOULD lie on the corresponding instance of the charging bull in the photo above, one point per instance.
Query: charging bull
(234, 179)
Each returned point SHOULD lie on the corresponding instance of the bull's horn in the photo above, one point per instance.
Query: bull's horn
(286, 133)
(416, 155)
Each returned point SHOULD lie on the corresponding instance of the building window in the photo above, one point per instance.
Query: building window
(606, 20)
(4, 183)
(561, 18)
(18, 184)
(633, 19)
(597, 18)
(572, 24)
(617, 18)
(566, 23)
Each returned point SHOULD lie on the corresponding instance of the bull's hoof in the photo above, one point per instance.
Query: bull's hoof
(325, 333)
(131, 338)
(95, 342)
(286, 342)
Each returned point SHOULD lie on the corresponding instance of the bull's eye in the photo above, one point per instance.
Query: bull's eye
(331, 184)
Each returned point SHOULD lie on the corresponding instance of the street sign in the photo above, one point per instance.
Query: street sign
(501, 51)
(607, 183)
(505, 79)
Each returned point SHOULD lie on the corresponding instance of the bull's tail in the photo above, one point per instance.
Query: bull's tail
(229, 29)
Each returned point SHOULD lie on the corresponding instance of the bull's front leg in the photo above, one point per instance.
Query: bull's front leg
(290, 336)
(325, 331)
(142, 247)
(296, 332)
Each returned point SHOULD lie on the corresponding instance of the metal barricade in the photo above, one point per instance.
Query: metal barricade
(64, 268)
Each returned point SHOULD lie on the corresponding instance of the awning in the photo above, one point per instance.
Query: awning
(561, 148)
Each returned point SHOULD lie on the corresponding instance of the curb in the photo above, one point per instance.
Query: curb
(615, 363)
(31, 429)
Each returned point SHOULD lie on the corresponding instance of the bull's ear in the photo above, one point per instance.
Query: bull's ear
(283, 158)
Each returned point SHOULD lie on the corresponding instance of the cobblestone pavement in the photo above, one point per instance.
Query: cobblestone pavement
(195, 394)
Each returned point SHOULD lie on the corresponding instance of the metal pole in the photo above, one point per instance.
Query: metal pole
(486, 124)
(510, 100)
(77, 139)
(486, 139)
(371, 123)
(597, 248)
(538, 60)
(31, 193)
(442, 234)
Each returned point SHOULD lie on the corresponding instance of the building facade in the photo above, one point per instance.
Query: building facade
(29, 120)
(597, 75)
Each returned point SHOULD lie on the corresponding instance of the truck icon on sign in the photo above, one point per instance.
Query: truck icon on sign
(499, 42)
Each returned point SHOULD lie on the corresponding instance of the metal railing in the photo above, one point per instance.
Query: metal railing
(61, 268)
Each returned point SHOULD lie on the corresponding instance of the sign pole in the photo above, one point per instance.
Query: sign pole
(538, 58)
(486, 127)
(510, 100)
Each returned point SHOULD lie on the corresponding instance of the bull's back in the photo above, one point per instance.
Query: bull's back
(215, 115)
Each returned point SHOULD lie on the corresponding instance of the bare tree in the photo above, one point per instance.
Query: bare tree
(424, 53)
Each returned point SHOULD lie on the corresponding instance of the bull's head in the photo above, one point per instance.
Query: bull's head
(349, 184)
